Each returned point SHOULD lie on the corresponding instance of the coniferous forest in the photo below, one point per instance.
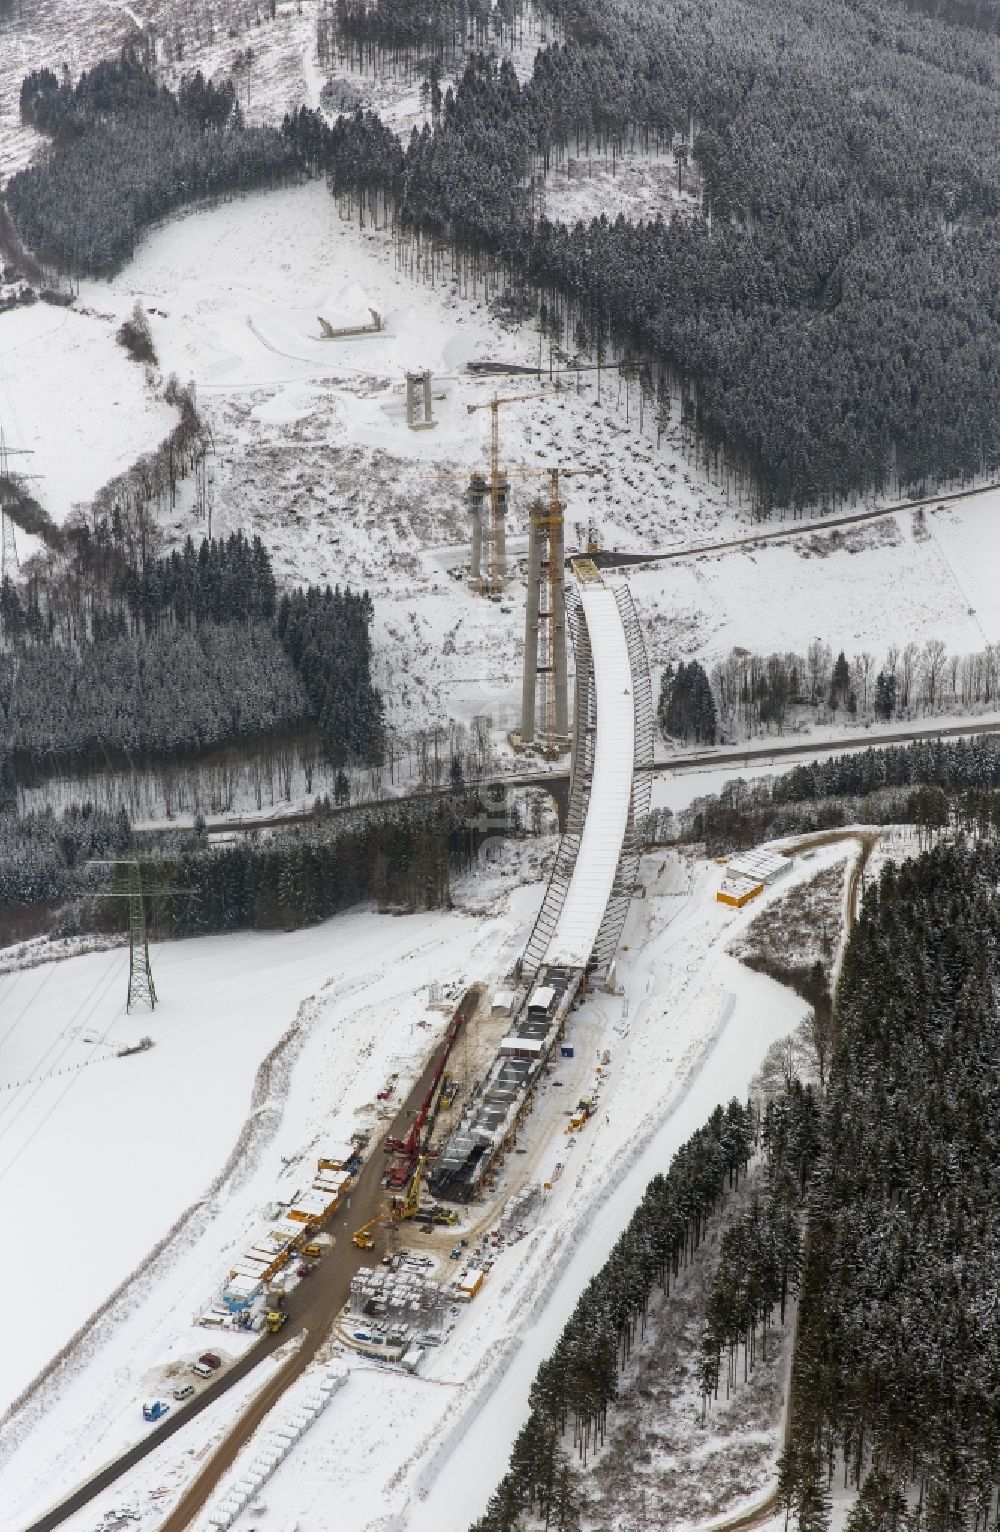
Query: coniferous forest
(880, 1213)
(109, 663)
(827, 321)
(757, 1271)
(824, 318)
(897, 1375)
(400, 857)
(933, 784)
(125, 152)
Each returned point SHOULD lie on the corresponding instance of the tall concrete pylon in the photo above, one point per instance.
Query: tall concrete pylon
(545, 717)
(477, 493)
(419, 381)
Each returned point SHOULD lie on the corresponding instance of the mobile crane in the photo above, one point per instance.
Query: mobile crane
(402, 1208)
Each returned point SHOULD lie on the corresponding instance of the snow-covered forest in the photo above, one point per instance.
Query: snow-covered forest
(575, 1389)
(125, 152)
(401, 857)
(895, 1384)
(932, 784)
(750, 694)
(775, 318)
(842, 268)
(106, 662)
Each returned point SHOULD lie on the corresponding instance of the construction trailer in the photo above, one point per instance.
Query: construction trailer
(242, 1292)
(273, 1246)
(339, 1155)
(469, 1285)
(760, 865)
(738, 891)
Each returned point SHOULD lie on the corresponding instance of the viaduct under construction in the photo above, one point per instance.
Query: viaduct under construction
(582, 915)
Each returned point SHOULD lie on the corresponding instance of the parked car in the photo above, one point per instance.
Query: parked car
(211, 1360)
(185, 1392)
(154, 1409)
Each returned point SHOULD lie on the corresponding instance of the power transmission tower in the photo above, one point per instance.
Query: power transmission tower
(9, 561)
(140, 976)
(141, 989)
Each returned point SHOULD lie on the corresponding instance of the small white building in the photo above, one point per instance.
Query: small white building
(514, 1047)
(758, 866)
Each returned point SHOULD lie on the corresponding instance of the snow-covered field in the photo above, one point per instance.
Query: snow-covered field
(313, 453)
(265, 1043)
(191, 1138)
(863, 589)
(70, 395)
(691, 1029)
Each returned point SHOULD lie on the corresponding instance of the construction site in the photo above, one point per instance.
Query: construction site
(389, 1233)
(466, 1128)
(402, 1224)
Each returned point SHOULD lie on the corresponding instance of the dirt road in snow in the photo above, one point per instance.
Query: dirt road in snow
(312, 1307)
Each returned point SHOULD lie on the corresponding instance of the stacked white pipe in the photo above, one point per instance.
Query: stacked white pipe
(270, 1445)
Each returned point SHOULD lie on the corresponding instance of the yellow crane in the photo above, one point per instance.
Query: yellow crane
(496, 534)
(364, 1237)
(399, 1209)
(408, 1206)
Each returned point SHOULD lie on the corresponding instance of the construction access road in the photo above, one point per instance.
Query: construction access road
(312, 1308)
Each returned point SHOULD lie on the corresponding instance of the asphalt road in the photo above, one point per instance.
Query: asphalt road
(745, 755)
(557, 782)
(312, 1307)
(607, 559)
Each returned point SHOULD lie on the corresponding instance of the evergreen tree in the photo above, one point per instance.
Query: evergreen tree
(687, 708)
(840, 681)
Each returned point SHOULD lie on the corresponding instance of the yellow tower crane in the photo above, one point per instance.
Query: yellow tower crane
(496, 535)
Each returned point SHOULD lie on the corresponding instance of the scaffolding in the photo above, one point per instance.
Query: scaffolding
(584, 733)
(545, 627)
(476, 494)
(627, 872)
(597, 861)
(494, 534)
